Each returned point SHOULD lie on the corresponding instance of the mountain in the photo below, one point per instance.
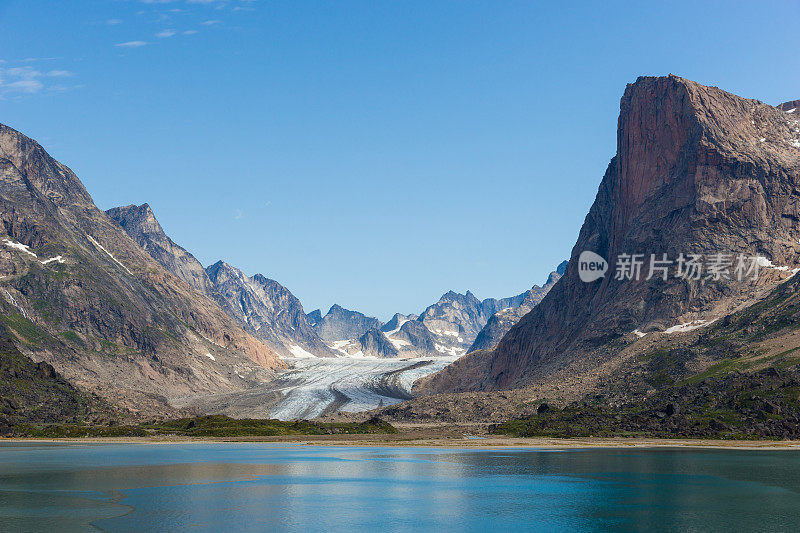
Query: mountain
(340, 324)
(502, 321)
(314, 317)
(263, 307)
(396, 322)
(268, 310)
(697, 171)
(374, 343)
(416, 336)
(78, 293)
(140, 223)
(456, 319)
(445, 329)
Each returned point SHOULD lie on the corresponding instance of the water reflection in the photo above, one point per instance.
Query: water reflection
(211, 487)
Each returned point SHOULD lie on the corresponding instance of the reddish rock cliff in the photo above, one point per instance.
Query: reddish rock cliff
(697, 170)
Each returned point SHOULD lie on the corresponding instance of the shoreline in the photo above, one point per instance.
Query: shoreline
(465, 443)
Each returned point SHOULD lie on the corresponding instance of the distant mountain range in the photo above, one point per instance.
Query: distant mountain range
(271, 313)
(449, 328)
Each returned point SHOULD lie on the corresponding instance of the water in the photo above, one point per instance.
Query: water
(276, 487)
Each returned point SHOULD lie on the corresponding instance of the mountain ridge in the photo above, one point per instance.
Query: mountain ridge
(75, 286)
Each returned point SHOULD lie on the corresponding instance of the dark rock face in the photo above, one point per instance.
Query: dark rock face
(697, 170)
(267, 309)
(790, 107)
(418, 336)
(503, 320)
(314, 317)
(140, 223)
(341, 324)
(79, 293)
(374, 343)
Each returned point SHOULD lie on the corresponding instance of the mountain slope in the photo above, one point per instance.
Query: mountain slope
(267, 309)
(34, 392)
(79, 293)
(697, 170)
(140, 223)
(503, 320)
(263, 307)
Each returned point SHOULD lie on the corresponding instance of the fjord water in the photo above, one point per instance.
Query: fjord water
(277, 487)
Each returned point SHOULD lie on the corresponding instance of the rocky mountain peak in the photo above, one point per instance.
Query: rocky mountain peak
(697, 170)
(342, 324)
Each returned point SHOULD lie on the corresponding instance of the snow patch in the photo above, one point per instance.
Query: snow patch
(688, 326)
(399, 343)
(395, 330)
(18, 246)
(57, 259)
(639, 333)
(766, 263)
(100, 247)
(792, 110)
(297, 351)
(211, 357)
(454, 351)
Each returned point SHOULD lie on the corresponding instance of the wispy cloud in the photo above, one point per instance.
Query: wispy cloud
(114, 22)
(190, 32)
(131, 44)
(27, 80)
(163, 34)
(24, 86)
(211, 22)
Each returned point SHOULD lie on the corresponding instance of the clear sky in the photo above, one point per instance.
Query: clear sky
(373, 154)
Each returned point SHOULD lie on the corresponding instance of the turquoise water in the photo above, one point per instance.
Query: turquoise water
(275, 487)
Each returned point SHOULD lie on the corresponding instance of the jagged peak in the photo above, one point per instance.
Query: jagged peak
(221, 267)
(141, 216)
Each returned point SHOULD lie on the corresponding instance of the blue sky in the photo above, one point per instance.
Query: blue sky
(373, 154)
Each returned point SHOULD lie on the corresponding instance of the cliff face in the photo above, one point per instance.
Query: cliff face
(77, 292)
(697, 170)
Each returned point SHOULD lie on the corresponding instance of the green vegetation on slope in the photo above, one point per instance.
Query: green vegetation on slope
(34, 392)
(763, 404)
(217, 426)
